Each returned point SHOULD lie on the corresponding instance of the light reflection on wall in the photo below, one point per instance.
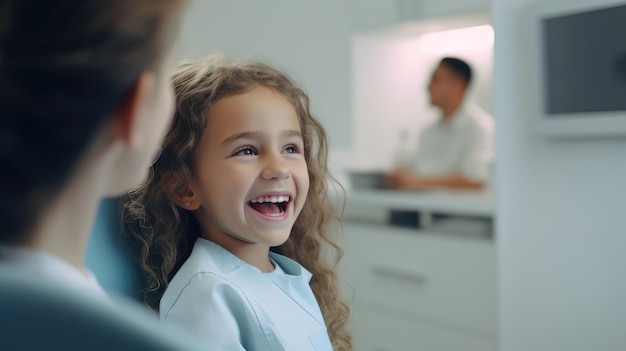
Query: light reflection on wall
(468, 38)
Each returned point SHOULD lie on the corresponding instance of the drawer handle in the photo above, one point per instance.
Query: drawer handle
(415, 277)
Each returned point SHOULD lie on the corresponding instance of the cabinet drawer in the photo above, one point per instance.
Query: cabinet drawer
(447, 279)
(374, 330)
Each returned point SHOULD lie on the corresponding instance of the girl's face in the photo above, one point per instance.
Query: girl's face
(250, 177)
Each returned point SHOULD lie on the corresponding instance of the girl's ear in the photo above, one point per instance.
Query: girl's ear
(186, 198)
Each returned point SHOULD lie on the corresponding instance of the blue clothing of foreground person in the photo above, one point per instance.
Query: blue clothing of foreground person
(38, 315)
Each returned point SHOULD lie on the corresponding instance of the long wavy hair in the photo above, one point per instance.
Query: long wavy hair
(163, 233)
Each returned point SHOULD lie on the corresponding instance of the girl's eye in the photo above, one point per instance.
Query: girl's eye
(245, 151)
(292, 149)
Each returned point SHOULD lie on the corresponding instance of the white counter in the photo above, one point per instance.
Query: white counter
(375, 205)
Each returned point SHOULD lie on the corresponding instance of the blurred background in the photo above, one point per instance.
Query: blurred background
(534, 261)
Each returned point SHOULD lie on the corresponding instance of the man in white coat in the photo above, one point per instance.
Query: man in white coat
(456, 150)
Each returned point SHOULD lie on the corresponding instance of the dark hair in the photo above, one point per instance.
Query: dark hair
(65, 66)
(458, 67)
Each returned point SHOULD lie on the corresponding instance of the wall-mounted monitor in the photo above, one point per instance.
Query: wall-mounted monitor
(578, 67)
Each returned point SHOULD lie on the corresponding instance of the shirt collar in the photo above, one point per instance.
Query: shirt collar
(229, 262)
(456, 120)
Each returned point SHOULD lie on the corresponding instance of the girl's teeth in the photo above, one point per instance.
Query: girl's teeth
(273, 199)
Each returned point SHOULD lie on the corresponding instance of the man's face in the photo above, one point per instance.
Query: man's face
(442, 84)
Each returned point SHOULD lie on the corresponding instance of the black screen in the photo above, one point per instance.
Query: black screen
(585, 62)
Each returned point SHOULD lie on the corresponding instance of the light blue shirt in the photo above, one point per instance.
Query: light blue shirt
(230, 305)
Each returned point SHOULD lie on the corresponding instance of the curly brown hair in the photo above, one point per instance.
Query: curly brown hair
(163, 233)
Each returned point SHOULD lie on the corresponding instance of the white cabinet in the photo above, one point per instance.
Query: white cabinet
(379, 330)
(418, 291)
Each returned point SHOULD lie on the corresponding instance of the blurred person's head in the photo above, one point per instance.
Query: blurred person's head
(84, 91)
(449, 83)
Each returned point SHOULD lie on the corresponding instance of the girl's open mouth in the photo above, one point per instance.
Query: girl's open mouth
(270, 206)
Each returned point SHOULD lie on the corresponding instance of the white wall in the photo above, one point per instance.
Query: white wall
(561, 227)
(310, 40)
(421, 9)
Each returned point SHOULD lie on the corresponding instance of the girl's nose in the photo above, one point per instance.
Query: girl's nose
(276, 168)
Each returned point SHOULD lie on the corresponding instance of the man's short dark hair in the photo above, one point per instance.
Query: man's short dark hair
(459, 68)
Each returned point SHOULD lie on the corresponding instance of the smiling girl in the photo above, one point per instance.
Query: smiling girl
(232, 225)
